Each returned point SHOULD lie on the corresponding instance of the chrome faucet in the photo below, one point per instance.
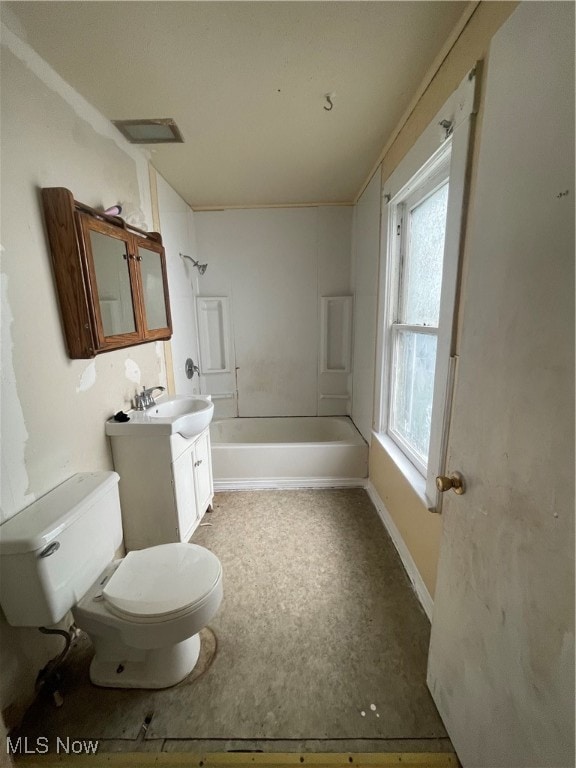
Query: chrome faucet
(144, 399)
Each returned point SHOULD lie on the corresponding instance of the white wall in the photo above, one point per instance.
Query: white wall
(274, 264)
(53, 409)
(184, 280)
(366, 255)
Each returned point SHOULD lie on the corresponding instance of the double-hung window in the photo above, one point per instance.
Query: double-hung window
(418, 226)
(422, 230)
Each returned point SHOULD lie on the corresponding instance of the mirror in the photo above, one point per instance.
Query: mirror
(153, 288)
(113, 283)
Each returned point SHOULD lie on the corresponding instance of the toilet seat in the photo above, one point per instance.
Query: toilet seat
(162, 583)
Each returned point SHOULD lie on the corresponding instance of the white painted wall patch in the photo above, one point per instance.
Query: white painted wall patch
(132, 371)
(87, 377)
(15, 481)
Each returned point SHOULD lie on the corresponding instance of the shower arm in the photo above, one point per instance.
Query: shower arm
(200, 267)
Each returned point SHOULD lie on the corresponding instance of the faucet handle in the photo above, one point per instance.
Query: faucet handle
(140, 400)
(145, 399)
(191, 368)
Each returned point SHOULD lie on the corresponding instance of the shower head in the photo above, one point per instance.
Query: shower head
(200, 267)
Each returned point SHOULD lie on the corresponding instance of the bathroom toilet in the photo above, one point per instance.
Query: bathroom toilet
(142, 612)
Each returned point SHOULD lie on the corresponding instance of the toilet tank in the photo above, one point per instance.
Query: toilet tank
(52, 551)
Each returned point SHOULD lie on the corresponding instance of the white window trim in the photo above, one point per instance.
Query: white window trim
(421, 160)
(432, 175)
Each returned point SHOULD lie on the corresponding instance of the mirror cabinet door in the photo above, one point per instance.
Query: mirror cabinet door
(152, 276)
(111, 261)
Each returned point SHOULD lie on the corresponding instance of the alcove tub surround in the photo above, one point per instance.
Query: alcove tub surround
(272, 276)
(301, 452)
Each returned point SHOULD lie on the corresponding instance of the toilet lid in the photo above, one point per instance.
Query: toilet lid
(162, 580)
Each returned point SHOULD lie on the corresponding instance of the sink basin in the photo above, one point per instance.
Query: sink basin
(175, 408)
(187, 415)
(192, 414)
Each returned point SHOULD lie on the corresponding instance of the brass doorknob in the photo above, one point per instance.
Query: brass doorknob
(454, 481)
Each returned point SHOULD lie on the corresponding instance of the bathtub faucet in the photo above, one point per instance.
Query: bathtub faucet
(144, 399)
(191, 368)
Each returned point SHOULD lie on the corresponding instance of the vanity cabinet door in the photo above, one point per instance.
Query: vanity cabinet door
(184, 494)
(203, 472)
(110, 263)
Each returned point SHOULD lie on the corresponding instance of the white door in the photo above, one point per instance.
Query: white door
(501, 664)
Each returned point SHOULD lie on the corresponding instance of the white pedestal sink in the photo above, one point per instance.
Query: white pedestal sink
(187, 415)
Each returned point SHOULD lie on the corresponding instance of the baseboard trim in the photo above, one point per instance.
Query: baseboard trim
(272, 483)
(409, 564)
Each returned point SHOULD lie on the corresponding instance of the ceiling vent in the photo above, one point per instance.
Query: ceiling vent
(160, 131)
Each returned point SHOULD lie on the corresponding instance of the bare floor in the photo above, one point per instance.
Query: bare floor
(320, 644)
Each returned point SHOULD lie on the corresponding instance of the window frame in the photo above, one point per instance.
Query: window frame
(428, 180)
(431, 177)
(449, 132)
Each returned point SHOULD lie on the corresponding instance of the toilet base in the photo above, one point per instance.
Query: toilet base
(116, 665)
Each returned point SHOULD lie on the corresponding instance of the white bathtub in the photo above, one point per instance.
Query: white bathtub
(323, 451)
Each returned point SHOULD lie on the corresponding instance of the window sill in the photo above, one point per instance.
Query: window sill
(412, 476)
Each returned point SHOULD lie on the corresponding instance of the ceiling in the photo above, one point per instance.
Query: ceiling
(246, 83)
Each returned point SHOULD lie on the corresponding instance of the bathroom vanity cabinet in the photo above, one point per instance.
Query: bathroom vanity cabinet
(165, 486)
(110, 277)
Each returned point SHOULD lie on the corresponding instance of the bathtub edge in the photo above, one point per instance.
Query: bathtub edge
(285, 483)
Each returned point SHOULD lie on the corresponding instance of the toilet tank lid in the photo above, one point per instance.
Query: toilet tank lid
(36, 526)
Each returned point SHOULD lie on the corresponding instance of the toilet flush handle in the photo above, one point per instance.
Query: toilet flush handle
(50, 549)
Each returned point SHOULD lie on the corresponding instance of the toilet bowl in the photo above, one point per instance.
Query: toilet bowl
(142, 612)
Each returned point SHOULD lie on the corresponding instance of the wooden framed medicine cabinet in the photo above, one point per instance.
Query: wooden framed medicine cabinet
(110, 277)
